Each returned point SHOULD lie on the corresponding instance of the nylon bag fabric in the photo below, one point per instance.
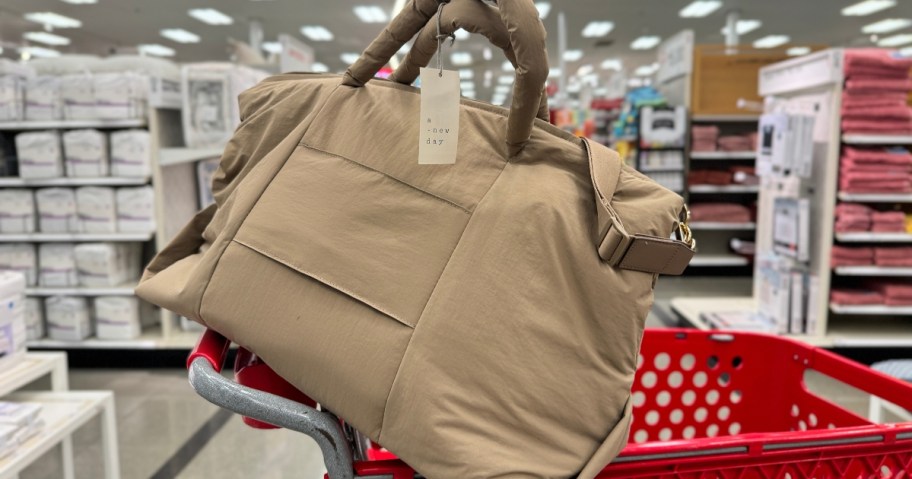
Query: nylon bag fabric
(479, 320)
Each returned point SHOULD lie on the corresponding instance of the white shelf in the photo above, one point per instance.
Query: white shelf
(871, 310)
(877, 139)
(150, 339)
(178, 156)
(873, 237)
(727, 118)
(75, 237)
(724, 188)
(723, 155)
(871, 271)
(719, 260)
(692, 309)
(875, 197)
(71, 124)
(81, 291)
(10, 182)
(62, 413)
(29, 368)
(868, 332)
(720, 226)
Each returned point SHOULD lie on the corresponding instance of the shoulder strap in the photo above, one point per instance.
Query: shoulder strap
(650, 254)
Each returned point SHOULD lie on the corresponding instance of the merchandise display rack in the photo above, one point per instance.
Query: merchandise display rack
(820, 76)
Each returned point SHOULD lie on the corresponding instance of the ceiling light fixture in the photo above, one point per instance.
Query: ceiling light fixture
(317, 33)
(887, 25)
(554, 72)
(317, 67)
(467, 85)
(798, 51)
(461, 58)
(210, 16)
(155, 50)
(505, 80)
(636, 82)
(349, 58)
(271, 47)
(461, 34)
(469, 94)
(573, 55)
(744, 27)
(700, 8)
(51, 19)
(80, 2)
(645, 42)
(180, 35)
(371, 14)
(647, 70)
(466, 74)
(867, 7)
(597, 29)
(39, 52)
(502, 89)
(544, 8)
(895, 40)
(506, 66)
(487, 54)
(612, 64)
(771, 41)
(46, 38)
(585, 70)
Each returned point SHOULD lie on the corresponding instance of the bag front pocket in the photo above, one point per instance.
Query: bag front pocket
(357, 230)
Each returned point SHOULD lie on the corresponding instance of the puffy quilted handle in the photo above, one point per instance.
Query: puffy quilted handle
(472, 16)
(527, 37)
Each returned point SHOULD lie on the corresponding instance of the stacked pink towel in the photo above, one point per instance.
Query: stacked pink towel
(737, 143)
(876, 91)
(896, 257)
(894, 293)
(720, 212)
(888, 222)
(875, 170)
(855, 297)
(851, 217)
(851, 256)
(704, 138)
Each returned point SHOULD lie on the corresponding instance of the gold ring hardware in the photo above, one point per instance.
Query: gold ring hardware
(685, 235)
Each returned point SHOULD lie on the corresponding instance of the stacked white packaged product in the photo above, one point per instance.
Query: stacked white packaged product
(43, 99)
(57, 265)
(117, 317)
(97, 209)
(205, 171)
(12, 317)
(135, 209)
(210, 91)
(107, 264)
(40, 154)
(34, 319)
(85, 153)
(24, 418)
(78, 94)
(162, 77)
(57, 210)
(17, 211)
(131, 155)
(8, 440)
(14, 77)
(21, 257)
(68, 318)
(120, 96)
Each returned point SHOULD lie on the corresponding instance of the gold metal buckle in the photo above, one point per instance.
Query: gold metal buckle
(685, 235)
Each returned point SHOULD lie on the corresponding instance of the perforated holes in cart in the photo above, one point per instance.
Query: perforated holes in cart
(712, 430)
(652, 418)
(662, 361)
(712, 362)
(724, 379)
(812, 419)
(802, 425)
(700, 414)
(663, 398)
(735, 396)
(640, 436)
(688, 398)
(639, 398)
(688, 361)
(649, 380)
(675, 379)
(665, 434)
(689, 432)
(700, 379)
(723, 413)
(795, 410)
(734, 428)
(639, 361)
(676, 416)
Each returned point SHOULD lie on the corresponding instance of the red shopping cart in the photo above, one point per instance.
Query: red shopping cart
(706, 405)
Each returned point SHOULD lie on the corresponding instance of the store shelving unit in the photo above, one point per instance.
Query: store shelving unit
(719, 260)
(72, 124)
(717, 189)
(720, 226)
(818, 79)
(6, 182)
(723, 155)
(126, 290)
(75, 237)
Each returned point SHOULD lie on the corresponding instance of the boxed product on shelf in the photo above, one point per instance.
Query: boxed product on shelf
(131, 155)
(107, 264)
(8, 440)
(78, 94)
(210, 91)
(31, 430)
(57, 265)
(40, 154)
(162, 77)
(17, 211)
(97, 208)
(43, 99)
(205, 171)
(791, 227)
(135, 209)
(85, 153)
(19, 414)
(34, 319)
(117, 317)
(739, 321)
(68, 318)
(120, 96)
(57, 210)
(663, 126)
(13, 79)
(12, 317)
(21, 257)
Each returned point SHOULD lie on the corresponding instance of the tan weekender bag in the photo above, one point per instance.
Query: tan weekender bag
(481, 319)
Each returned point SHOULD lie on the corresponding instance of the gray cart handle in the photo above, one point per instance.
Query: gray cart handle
(205, 365)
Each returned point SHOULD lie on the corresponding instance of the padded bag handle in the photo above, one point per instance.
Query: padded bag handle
(527, 37)
(471, 15)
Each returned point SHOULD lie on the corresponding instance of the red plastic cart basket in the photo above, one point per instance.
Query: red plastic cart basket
(706, 405)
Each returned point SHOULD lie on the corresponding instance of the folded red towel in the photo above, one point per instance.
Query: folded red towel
(874, 58)
(723, 212)
(877, 156)
(853, 227)
(898, 301)
(709, 177)
(893, 289)
(888, 217)
(885, 127)
(875, 188)
(888, 228)
(894, 262)
(708, 132)
(853, 252)
(849, 167)
(878, 84)
(869, 99)
(878, 112)
(853, 209)
(893, 252)
(855, 296)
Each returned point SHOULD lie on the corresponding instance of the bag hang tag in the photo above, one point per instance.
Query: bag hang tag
(438, 128)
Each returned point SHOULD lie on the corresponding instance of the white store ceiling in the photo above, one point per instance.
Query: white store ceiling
(109, 25)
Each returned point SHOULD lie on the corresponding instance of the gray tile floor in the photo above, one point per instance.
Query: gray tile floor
(159, 417)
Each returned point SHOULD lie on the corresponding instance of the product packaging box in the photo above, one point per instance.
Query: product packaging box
(57, 210)
(17, 211)
(135, 209)
(68, 318)
(210, 111)
(43, 100)
(78, 94)
(21, 257)
(120, 95)
(107, 264)
(117, 317)
(19, 414)
(86, 153)
(12, 318)
(57, 265)
(205, 171)
(97, 208)
(40, 154)
(14, 77)
(131, 154)
(34, 319)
